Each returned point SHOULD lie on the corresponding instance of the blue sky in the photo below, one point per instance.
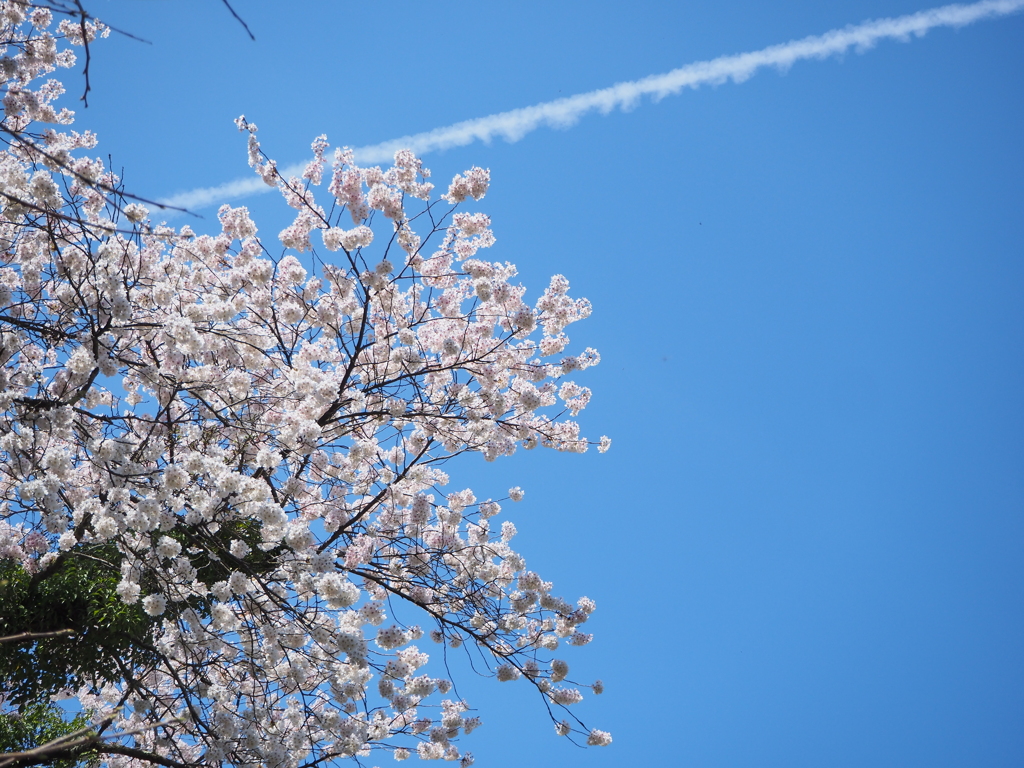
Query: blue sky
(806, 542)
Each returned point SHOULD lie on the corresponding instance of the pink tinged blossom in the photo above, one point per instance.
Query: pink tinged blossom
(599, 738)
(386, 200)
(168, 547)
(338, 591)
(351, 239)
(506, 672)
(154, 605)
(239, 583)
(315, 169)
(473, 184)
(129, 592)
(430, 750)
(41, 18)
(223, 618)
(236, 222)
(559, 670)
(135, 212)
(565, 696)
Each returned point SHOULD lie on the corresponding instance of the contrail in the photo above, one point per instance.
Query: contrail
(563, 113)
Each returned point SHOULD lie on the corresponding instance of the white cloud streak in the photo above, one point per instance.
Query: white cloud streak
(563, 113)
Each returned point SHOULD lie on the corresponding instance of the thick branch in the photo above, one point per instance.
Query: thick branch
(31, 637)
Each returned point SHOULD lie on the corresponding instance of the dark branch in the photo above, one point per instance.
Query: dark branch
(240, 20)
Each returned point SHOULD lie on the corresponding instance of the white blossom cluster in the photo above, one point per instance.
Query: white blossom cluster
(253, 441)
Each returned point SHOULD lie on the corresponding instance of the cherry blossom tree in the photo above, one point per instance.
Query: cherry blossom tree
(223, 494)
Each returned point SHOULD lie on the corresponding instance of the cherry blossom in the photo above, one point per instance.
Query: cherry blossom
(251, 430)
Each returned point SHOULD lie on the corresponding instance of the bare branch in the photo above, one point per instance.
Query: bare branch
(240, 20)
(31, 637)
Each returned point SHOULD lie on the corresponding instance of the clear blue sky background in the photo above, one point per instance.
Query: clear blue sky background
(806, 541)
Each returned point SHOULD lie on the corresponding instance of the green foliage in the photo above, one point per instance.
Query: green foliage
(210, 570)
(36, 724)
(79, 594)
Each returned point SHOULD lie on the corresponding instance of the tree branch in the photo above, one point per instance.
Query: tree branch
(26, 637)
(240, 20)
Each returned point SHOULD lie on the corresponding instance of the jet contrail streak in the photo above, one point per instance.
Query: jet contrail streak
(563, 113)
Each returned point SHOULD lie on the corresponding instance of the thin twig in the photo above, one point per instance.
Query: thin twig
(88, 56)
(240, 20)
(31, 147)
